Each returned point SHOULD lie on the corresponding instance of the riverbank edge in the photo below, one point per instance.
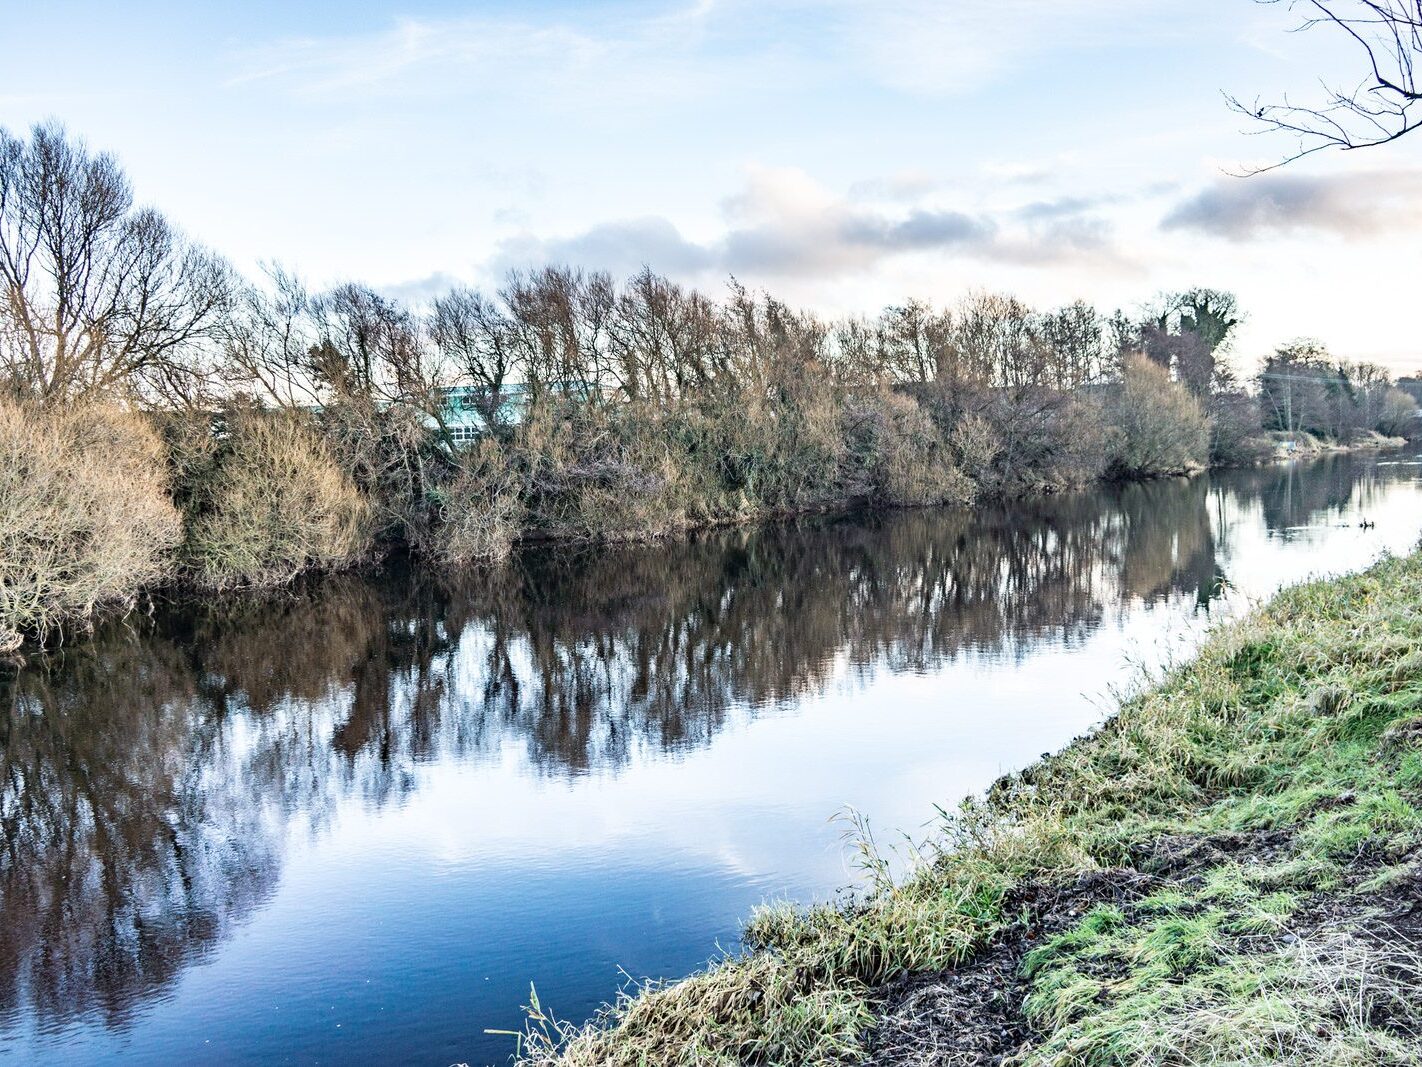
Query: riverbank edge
(1303, 445)
(17, 643)
(1227, 870)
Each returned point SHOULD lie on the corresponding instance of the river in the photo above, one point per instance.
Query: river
(353, 824)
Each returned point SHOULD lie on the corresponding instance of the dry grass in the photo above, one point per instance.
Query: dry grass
(273, 503)
(1312, 1002)
(85, 517)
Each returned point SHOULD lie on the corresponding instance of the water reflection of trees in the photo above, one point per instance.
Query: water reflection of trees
(1296, 495)
(128, 844)
(148, 777)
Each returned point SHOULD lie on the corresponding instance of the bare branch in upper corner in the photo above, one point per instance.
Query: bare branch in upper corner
(1383, 105)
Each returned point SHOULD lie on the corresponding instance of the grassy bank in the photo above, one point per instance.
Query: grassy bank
(1286, 444)
(1226, 872)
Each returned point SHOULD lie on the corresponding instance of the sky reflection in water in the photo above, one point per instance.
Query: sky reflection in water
(354, 824)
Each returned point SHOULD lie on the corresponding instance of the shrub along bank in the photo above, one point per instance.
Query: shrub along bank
(101, 501)
(85, 514)
(1227, 872)
(265, 499)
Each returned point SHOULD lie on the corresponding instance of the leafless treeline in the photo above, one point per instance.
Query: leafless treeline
(103, 297)
(648, 339)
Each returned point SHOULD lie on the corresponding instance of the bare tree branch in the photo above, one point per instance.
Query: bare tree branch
(1385, 104)
(97, 296)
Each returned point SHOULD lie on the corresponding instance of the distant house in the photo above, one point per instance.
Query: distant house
(465, 406)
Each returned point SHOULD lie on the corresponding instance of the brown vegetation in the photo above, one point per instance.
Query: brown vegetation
(1158, 426)
(270, 502)
(85, 516)
(307, 430)
(480, 512)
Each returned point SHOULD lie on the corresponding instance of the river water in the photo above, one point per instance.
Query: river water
(352, 825)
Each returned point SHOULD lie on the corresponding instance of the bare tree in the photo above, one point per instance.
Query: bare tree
(97, 295)
(997, 339)
(770, 348)
(858, 352)
(293, 348)
(560, 319)
(1076, 335)
(267, 341)
(663, 338)
(1381, 107)
(915, 340)
(369, 347)
(477, 339)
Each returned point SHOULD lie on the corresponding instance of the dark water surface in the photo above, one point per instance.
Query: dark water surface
(353, 825)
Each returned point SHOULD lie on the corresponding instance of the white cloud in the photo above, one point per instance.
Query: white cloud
(1346, 204)
(783, 224)
(913, 46)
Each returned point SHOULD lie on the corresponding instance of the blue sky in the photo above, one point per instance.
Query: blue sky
(844, 154)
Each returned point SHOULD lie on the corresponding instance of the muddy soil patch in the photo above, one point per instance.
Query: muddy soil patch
(972, 1014)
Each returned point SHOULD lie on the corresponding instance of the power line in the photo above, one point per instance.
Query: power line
(1342, 380)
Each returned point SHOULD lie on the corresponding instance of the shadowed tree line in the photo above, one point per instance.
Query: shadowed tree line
(1305, 389)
